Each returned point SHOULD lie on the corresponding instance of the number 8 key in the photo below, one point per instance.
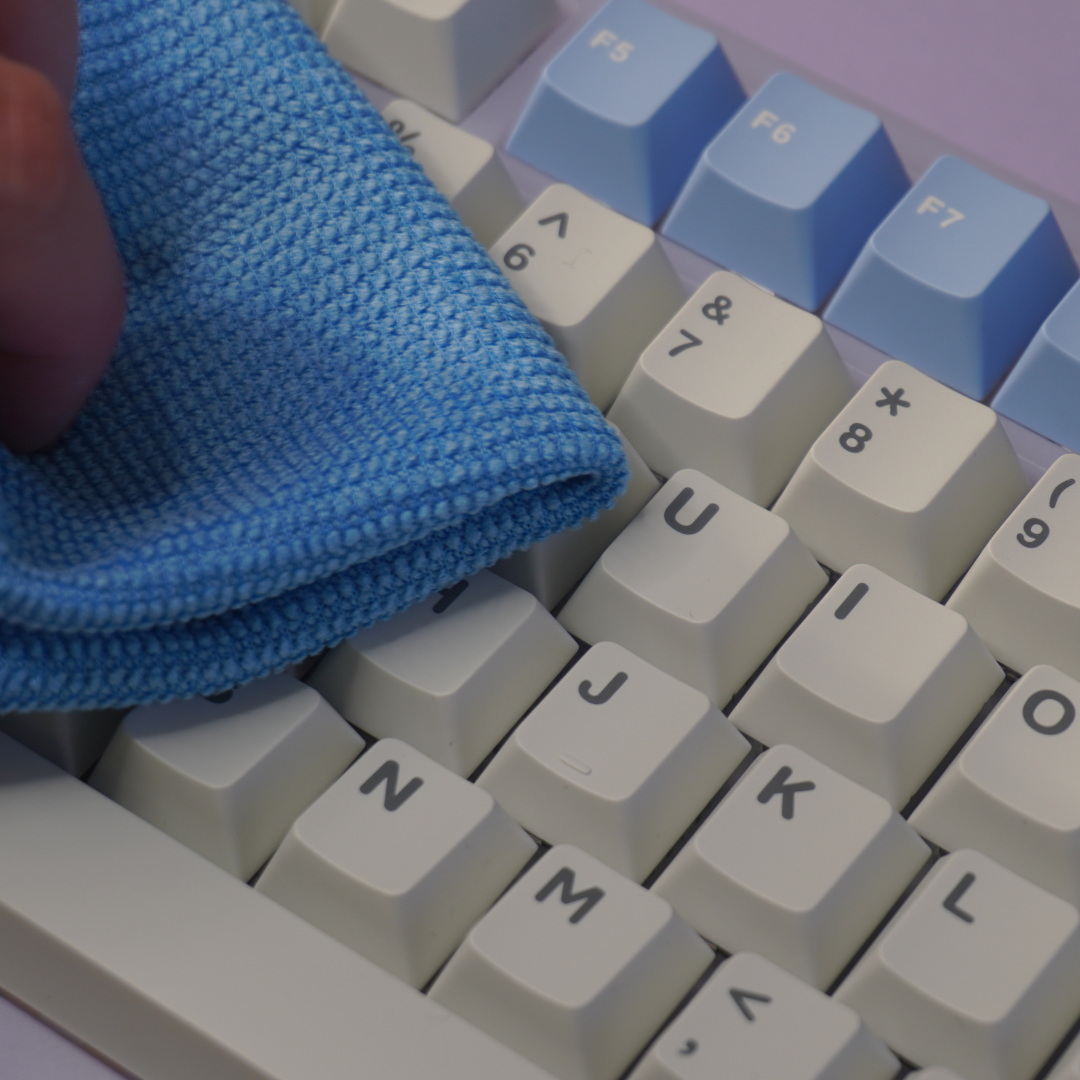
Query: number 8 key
(911, 477)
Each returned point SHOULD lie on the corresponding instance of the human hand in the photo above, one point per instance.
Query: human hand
(61, 283)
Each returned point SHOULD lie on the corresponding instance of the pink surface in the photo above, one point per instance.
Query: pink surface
(999, 78)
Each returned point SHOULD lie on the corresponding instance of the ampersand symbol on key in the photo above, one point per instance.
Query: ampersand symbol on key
(716, 310)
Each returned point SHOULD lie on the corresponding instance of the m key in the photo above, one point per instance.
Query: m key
(574, 968)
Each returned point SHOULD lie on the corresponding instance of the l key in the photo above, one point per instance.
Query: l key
(979, 972)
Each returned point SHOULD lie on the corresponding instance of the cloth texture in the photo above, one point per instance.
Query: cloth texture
(326, 402)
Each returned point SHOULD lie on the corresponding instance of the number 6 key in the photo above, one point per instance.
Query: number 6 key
(912, 478)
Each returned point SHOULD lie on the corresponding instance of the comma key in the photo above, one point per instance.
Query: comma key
(752, 1019)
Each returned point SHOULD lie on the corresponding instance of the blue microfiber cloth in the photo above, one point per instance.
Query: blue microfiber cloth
(326, 402)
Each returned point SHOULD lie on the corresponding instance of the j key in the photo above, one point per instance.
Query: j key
(1012, 791)
(1022, 596)
(599, 283)
(450, 675)
(810, 172)
(463, 167)
(911, 477)
(551, 568)
(575, 967)
(446, 56)
(397, 860)
(617, 759)
(626, 107)
(957, 278)
(980, 972)
(877, 682)
(738, 385)
(1042, 390)
(797, 863)
(702, 583)
(228, 775)
(752, 1019)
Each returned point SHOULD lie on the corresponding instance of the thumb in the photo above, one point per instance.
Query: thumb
(61, 284)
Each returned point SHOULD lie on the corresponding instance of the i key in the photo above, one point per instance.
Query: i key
(877, 682)
(702, 583)
(979, 972)
(397, 860)
(752, 1019)
(911, 477)
(618, 759)
(797, 863)
(738, 385)
(1022, 596)
(574, 968)
(599, 283)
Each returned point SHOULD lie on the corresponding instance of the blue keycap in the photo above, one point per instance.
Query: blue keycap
(957, 278)
(788, 192)
(623, 111)
(1043, 391)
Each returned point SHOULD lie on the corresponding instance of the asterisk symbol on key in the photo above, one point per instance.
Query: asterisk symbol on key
(894, 399)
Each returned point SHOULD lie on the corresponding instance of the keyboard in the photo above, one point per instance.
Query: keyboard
(937, 927)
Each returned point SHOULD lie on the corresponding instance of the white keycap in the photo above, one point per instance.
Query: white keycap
(877, 681)
(73, 739)
(451, 675)
(228, 775)
(702, 583)
(397, 860)
(979, 972)
(599, 283)
(575, 967)
(797, 863)
(911, 477)
(445, 54)
(738, 385)
(313, 12)
(1067, 1066)
(753, 1020)
(1012, 792)
(618, 759)
(462, 166)
(171, 968)
(552, 567)
(1022, 596)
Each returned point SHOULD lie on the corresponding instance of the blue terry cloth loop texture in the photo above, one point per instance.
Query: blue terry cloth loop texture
(326, 402)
